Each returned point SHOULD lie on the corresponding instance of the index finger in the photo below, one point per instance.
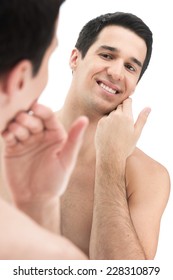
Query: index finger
(127, 107)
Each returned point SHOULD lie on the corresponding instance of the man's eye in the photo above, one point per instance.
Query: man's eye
(106, 56)
(130, 67)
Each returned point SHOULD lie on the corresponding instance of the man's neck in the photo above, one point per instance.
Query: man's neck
(67, 116)
(72, 109)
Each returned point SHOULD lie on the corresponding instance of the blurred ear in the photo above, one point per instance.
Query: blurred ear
(74, 58)
(16, 80)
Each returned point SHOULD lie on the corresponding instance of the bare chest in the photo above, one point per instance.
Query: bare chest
(77, 207)
(77, 203)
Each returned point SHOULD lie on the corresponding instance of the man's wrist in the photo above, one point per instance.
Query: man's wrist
(111, 165)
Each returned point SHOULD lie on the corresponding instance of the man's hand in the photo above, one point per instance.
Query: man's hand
(117, 134)
(39, 156)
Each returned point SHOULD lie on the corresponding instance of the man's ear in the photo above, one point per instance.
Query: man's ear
(75, 55)
(17, 78)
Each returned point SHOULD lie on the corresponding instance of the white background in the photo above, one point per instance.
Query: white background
(154, 90)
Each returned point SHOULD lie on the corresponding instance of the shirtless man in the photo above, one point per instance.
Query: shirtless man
(114, 202)
(38, 153)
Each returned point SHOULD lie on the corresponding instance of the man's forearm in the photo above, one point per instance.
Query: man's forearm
(113, 235)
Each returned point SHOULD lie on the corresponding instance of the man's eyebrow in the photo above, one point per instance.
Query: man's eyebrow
(136, 61)
(109, 48)
(113, 49)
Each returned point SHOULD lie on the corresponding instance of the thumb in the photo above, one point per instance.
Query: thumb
(73, 144)
(141, 121)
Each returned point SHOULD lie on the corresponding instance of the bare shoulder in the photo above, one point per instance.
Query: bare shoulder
(4, 191)
(69, 251)
(147, 175)
(148, 189)
(142, 160)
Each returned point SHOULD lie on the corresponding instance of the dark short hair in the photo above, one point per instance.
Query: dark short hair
(92, 29)
(26, 31)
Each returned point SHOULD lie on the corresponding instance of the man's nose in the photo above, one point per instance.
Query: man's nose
(116, 70)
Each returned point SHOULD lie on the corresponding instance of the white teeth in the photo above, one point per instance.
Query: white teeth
(108, 88)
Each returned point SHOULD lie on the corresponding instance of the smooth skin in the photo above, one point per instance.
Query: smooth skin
(29, 241)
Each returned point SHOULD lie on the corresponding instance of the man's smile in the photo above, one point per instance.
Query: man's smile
(105, 86)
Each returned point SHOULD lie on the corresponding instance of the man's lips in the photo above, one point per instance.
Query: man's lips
(109, 88)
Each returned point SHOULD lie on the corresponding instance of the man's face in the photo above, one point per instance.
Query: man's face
(109, 72)
(30, 90)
